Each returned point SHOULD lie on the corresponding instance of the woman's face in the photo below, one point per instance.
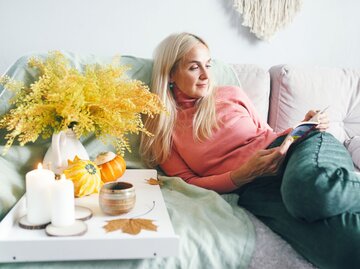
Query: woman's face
(192, 74)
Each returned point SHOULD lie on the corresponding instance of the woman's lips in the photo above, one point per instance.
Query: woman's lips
(201, 85)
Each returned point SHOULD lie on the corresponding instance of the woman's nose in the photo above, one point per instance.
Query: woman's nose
(204, 74)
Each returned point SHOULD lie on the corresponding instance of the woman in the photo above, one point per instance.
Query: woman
(213, 138)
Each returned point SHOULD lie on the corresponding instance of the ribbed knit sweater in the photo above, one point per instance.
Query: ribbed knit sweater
(208, 163)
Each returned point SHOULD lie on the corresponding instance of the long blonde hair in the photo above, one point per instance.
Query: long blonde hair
(155, 149)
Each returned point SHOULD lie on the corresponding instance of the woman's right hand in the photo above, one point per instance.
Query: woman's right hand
(265, 162)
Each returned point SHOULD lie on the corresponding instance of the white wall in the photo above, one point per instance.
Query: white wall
(325, 32)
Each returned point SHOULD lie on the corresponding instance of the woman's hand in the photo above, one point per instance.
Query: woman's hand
(322, 118)
(265, 162)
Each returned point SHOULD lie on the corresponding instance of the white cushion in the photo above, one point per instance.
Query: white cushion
(295, 90)
(255, 81)
(353, 146)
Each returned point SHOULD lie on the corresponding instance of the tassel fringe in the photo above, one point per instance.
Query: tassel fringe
(266, 17)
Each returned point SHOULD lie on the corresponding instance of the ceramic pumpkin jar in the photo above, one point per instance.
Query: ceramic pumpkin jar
(111, 166)
(86, 176)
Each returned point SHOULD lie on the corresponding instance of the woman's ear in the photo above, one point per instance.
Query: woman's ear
(172, 74)
(171, 78)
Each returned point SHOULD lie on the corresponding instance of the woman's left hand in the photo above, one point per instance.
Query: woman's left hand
(322, 118)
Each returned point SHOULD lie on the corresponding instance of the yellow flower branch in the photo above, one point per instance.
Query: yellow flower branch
(101, 100)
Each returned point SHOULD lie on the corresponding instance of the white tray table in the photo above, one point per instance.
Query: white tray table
(21, 245)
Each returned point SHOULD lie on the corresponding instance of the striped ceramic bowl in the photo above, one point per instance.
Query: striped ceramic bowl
(117, 198)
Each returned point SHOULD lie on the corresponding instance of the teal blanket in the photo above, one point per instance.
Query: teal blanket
(214, 232)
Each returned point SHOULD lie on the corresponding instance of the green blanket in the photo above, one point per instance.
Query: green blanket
(214, 232)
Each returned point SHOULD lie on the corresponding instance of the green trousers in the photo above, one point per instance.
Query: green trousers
(314, 202)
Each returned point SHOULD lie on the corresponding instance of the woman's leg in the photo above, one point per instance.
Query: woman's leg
(319, 180)
(330, 243)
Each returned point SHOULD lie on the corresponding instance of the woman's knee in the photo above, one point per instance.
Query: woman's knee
(322, 194)
(319, 180)
(304, 199)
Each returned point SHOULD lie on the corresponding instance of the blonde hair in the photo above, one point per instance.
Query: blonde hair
(155, 149)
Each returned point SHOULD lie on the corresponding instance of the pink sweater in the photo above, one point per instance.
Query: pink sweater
(208, 164)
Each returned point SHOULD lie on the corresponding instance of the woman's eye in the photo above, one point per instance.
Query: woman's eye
(195, 67)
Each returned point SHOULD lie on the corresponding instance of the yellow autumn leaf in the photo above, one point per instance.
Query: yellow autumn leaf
(154, 181)
(130, 226)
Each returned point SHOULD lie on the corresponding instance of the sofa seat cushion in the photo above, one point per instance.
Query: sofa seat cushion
(295, 90)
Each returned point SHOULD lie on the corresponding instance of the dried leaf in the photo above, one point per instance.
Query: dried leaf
(154, 181)
(130, 226)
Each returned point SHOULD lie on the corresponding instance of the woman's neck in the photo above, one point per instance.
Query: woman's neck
(183, 100)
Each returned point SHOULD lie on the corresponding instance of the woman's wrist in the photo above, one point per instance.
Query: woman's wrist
(240, 177)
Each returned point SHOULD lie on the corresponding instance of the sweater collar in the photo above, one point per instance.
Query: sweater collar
(183, 100)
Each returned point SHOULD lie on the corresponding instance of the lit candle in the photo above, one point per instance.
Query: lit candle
(38, 195)
(63, 202)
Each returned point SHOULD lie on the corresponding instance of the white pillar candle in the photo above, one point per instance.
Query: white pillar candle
(63, 202)
(38, 195)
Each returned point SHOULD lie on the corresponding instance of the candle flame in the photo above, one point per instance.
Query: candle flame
(39, 166)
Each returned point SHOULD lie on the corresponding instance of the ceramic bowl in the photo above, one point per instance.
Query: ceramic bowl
(117, 198)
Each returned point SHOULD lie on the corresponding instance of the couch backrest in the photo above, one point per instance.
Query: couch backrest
(295, 90)
(255, 81)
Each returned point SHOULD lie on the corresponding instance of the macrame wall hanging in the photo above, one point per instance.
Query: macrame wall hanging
(265, 17)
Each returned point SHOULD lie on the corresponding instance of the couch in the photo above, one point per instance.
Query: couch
(282, 95)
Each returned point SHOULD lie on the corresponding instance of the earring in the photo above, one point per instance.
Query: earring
(171, 85)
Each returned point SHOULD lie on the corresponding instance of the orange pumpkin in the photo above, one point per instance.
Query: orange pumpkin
(112, 166)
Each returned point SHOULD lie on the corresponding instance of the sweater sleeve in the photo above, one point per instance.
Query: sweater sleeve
(176, 166)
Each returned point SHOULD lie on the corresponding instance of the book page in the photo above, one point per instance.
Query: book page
(297, 133)
(302, 129)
